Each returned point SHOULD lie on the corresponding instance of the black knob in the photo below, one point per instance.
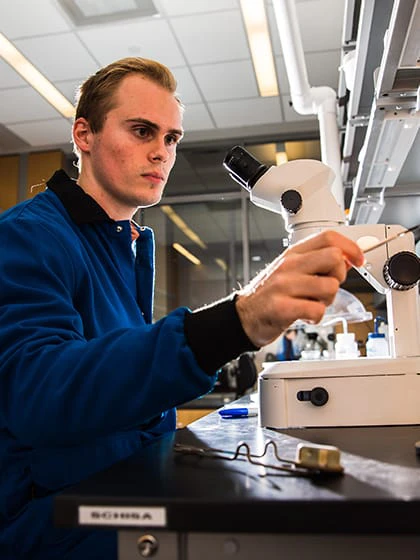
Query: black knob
(291, 201)
(318, 396)
(402, 271)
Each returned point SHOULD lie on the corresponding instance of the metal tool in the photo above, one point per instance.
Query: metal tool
(389, 239)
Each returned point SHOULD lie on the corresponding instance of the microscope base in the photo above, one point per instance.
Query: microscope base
(358, 392)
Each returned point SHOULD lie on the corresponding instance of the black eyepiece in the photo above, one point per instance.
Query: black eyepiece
(243, 167)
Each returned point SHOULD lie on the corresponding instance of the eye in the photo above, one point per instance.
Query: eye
(142, 131)
(172, 139)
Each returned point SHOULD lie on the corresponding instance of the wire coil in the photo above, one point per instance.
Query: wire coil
(243, 453)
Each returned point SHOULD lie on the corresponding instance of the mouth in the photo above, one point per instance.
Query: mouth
(154, 177)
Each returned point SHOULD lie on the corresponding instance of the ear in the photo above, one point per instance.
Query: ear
(82, 134)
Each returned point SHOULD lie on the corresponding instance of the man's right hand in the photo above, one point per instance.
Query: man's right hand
(299, 284)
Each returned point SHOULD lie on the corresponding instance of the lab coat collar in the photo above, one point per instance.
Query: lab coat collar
(83, 209)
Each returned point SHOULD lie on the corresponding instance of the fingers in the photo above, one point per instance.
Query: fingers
(298, 284)
(350, 251)
(282, 298)
(306, 310)
(309, 287)
(327, 261)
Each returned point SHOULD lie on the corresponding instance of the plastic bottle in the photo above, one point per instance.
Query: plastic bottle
(377, 344)
(346, 346)
(313, 349)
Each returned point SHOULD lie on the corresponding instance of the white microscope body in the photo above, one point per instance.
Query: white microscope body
(354, 392)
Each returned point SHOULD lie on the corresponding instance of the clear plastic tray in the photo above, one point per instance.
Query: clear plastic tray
(345, 306)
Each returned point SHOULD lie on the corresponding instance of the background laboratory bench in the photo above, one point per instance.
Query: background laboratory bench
(212, 508)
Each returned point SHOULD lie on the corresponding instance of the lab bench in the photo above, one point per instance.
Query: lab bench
(175, 506)
(196, 409)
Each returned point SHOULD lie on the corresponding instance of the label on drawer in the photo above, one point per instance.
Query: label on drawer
(122, 516)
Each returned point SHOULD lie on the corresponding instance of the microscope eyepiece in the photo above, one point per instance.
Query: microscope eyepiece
(243, 167)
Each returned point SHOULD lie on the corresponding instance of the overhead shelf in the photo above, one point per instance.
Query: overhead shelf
(379, 115)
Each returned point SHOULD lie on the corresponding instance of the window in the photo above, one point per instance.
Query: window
(211, 232)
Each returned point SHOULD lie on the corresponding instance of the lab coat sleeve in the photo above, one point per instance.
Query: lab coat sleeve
(56, 387)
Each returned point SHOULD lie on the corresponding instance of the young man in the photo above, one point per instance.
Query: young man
(86, 378)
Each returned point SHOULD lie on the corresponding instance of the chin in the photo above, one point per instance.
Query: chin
(148, 197)
(146, 203)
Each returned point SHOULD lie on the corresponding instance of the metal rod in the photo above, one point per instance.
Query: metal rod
(385, 241)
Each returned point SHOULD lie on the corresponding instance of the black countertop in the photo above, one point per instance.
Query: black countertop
(379, 491)
(210, 401)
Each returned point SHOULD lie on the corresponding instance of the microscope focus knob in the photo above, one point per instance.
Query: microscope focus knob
(291, 201)
(318, 396)
(402, 271)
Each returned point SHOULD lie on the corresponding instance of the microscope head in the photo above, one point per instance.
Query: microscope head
(299, 190)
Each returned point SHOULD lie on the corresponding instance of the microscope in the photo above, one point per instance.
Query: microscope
(347, 392)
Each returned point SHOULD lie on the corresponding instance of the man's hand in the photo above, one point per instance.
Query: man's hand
(299, 284)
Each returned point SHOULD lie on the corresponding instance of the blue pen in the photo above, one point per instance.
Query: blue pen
(242, 412)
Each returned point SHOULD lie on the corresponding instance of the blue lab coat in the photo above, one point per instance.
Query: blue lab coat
(84, 373)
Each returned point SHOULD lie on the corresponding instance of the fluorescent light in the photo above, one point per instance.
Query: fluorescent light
(185, 253)
(281, 154)
(281, 157)
(256, 25)
(222, 264)
(29, 73)
(179, 222)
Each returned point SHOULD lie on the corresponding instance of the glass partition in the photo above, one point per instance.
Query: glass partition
(224, 243)
(211, 263)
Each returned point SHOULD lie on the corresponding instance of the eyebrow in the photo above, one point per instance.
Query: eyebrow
(154, 126)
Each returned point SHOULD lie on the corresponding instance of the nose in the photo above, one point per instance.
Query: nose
(159, 150)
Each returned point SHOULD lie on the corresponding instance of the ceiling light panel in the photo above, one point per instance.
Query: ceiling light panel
(88, 12)
(259, 40)
(91, 8)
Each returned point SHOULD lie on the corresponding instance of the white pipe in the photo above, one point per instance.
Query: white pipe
(320, 101)
(330, 143)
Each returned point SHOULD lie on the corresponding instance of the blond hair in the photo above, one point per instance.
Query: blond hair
(96, 97)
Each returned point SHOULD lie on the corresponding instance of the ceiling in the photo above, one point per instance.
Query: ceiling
(205, 45)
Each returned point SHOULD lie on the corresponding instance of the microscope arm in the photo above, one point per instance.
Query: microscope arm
(385, 268)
